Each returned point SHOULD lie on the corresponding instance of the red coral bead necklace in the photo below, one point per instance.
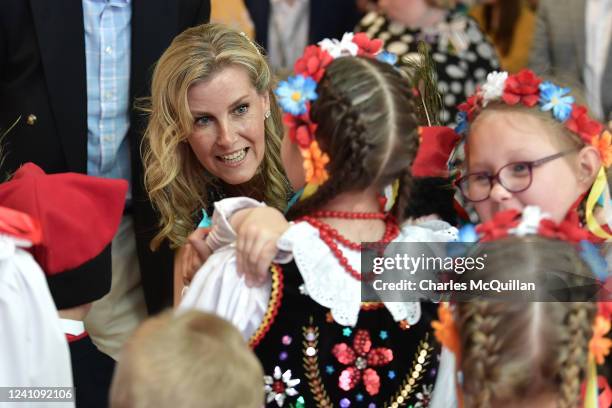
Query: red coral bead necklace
(330, 235)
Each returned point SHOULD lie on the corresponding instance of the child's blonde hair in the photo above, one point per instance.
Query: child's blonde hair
(195, 360)
(519, 351)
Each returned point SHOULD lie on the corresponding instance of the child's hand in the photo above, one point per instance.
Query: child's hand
(257, 232)
(194, 254)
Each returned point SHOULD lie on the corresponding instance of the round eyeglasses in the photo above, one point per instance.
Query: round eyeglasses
(514, 177)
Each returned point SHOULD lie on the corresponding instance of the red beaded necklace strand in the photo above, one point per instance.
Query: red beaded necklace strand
(330, 235)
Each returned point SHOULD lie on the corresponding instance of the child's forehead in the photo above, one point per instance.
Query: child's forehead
(510, 130)
(509, 119)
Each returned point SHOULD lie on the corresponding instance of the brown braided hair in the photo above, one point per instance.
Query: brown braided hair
(519, 351)
(367, 124)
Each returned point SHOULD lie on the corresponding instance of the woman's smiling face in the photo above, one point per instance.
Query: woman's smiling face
(228, 136)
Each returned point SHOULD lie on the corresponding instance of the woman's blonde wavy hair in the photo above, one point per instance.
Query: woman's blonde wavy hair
(175, 180)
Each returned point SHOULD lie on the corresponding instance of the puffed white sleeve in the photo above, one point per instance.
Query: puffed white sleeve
(222, 232)
(217, 288)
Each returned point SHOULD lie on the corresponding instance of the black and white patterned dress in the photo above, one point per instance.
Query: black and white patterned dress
(462, 54)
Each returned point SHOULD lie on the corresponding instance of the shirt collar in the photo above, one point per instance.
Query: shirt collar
(114, 3)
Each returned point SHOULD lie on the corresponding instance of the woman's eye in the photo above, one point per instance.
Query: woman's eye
(203, 121)
(242, 109)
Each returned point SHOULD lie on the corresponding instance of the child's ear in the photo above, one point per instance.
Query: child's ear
(589, 163)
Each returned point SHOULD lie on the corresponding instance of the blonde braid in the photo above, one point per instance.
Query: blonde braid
(496, 365)
(482, 348)
(574, 352)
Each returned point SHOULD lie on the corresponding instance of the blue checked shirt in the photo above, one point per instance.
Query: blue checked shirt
(107, 54)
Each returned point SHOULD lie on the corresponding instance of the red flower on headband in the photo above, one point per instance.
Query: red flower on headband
(568, 230)
(313, 62)
(522, 87)
(579, 122)
(499, 225)
(366, 46)
(301, 129)
(471, 106)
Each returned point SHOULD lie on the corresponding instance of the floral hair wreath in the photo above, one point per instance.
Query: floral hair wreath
(532, 221)
(298, 92)
(528, 89)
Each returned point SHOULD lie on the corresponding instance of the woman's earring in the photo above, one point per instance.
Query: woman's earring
(267, 114)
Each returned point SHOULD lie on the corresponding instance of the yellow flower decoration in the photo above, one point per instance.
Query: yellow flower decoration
(446, 331)
(314, 164)
(603, 143)
(599, 344)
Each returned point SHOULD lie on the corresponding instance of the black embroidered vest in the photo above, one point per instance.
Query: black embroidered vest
(377, 363)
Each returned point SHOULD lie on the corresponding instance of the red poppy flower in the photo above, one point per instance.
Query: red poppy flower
(301, 129)
(313, 62)
(471, 106)
(580, 123)
(498, 226)
(367, 47)
(522, 87)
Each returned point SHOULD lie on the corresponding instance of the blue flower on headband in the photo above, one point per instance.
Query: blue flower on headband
(388, 57)
(592, 257)
(462, 123)
(554, 97)
(295, 92)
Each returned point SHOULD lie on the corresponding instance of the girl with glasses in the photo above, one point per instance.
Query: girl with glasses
(528, 143)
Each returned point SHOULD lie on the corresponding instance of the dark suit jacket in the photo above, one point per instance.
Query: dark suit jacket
(328, 19)
(42, 73)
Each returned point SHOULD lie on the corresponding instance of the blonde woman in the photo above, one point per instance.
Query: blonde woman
(214, 131)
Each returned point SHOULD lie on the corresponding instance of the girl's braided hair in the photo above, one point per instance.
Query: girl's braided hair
(516, 351)
(365, 112)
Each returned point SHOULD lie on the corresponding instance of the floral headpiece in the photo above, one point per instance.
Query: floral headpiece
(528, 89)
(532, 221)
(298, 92)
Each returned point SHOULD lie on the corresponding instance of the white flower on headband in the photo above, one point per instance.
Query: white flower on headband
(345, 47)
(530, 221)
(493, 89)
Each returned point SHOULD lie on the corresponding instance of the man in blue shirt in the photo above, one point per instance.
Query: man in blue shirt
(71, 71)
